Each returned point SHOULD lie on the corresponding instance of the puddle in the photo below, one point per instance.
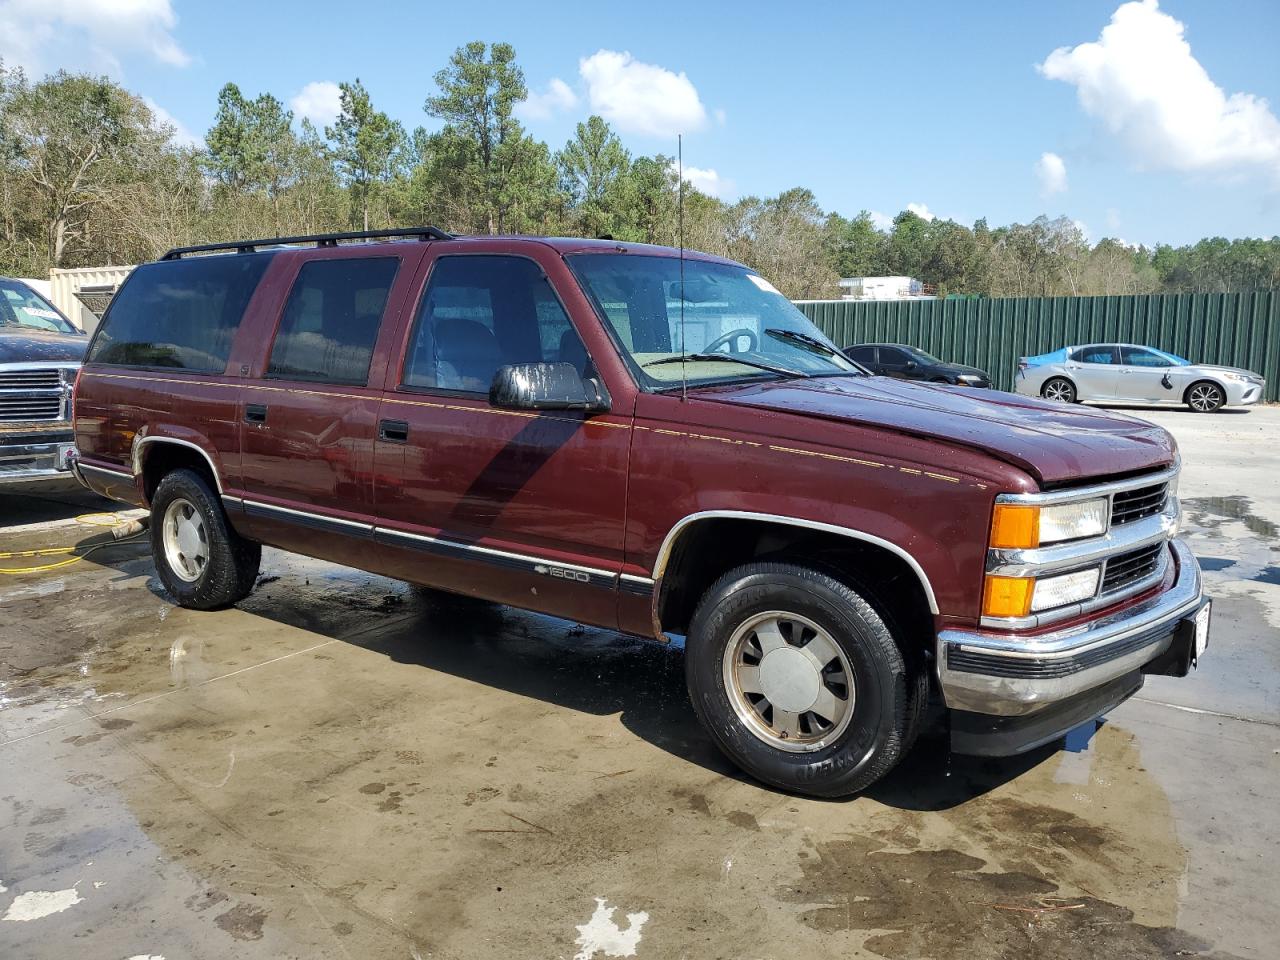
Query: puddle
(1212, 512)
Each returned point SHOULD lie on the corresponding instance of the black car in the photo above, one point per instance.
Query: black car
(912, 363)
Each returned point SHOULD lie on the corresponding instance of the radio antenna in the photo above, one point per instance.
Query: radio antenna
(684, 381)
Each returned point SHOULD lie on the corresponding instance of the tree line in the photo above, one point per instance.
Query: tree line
(90, 175)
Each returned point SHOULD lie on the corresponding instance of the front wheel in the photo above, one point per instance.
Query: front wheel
(800, 682)
(202, 562)
(1060, 389)
(1205, 397)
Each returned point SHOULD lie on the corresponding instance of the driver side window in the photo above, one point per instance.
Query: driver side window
(481, 312)
(1137, 357)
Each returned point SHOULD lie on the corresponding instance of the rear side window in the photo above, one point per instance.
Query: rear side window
(481, 312)
(865, 355)
(181, 314)
(1096, 354)
(331, 320)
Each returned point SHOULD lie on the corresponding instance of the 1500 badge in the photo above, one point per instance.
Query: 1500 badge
(563, 574)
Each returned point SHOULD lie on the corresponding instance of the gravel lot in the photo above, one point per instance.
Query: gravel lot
(339, 768)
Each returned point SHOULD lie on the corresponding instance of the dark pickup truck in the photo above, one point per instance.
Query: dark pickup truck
(659, 443)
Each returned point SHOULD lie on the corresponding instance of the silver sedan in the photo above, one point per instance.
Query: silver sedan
(1126, 373)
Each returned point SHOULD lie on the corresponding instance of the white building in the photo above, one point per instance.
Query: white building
(884, 288)
(83, 293)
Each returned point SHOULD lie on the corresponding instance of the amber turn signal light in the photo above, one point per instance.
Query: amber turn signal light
(1007, 596)
(1015, 526)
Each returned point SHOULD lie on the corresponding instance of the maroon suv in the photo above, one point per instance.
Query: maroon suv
(661, 444)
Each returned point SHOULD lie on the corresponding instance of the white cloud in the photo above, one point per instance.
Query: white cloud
(881, 221)
(181, 135)
(641, 98)
(707, 180)
(557, 98)
(1052, 173)
(721, 117)
(1142, 82)
(43, 35)
(921, 211)
(320, 101)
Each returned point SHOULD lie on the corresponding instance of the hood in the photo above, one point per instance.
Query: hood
(18, 345)
(1053, 442)
(1214, 368)
(956, 369)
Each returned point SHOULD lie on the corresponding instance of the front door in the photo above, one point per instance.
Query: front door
(1145, 375)
(518, 507)
(896, 363)
(307, 412)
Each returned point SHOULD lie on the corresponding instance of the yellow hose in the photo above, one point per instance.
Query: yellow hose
(69, 553)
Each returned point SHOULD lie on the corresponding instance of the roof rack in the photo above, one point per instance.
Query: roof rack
(319, 239)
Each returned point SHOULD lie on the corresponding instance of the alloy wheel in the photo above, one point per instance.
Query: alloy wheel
(1205, 397)
(788, 681)
(186, 542)
(1059, 390)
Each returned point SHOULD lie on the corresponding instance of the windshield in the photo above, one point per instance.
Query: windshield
(736, 326)
(20, 306)
(923, 355)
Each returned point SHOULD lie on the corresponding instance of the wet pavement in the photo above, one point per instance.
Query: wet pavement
(344, 767)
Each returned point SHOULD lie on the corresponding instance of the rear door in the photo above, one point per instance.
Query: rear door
(518, 507)
(307, 414)
(1095, 370)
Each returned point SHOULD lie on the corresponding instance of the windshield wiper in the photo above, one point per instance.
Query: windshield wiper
(684, 358)
(813, 344)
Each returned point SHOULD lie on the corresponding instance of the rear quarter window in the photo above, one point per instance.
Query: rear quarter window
(179, 314)
(331, 320)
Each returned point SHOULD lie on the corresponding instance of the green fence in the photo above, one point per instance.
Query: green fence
(1233, 329)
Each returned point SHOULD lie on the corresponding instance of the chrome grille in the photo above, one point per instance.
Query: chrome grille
(1130, 568)
(30, 409)
(42, 379)
(1130, 505)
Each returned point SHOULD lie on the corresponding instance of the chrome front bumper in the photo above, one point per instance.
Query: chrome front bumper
(1006, 674)
(34, 462)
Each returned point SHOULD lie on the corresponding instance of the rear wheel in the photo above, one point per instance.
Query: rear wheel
(1205, 397)
(202, 562)
(1060, 389)
(800, 682)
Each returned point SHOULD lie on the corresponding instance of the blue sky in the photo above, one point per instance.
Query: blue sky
(948, 106)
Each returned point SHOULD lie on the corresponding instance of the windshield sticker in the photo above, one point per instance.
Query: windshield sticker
(763, 284)
(37, 312)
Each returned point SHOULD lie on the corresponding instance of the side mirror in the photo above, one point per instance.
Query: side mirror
(546, 386)
(911, 364)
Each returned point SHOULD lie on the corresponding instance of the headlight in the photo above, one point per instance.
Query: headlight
(969, 378)
(1237, 377)
(1020, 526)
(1019, 596)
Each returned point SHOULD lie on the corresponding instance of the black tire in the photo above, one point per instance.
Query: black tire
(940, 380)
(231, 566)
(1205, 396)
(1063, 390)
(890, 695)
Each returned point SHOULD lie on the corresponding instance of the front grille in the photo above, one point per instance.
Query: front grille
(1129, 568)
(1130, 505)
(42, 379)
(30, 409)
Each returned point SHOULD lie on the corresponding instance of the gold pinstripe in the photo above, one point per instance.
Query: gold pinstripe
(438, 405)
